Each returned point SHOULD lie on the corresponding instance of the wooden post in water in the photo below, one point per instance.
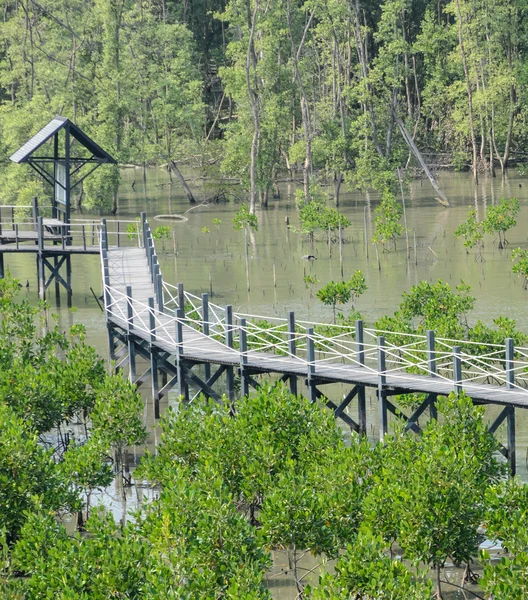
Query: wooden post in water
(382, 381)
(360, 350)
(341, 248)
(292, 349)
(244, 381)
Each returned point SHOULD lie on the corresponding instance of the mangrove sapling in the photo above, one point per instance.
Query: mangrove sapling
(501, 218)
(387, 221)
(309, 282)
(246, 220)
(162, 233)
(473, 233)
(520, 257)
(342, 292)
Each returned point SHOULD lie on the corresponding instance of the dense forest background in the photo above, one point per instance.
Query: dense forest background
(251, 90)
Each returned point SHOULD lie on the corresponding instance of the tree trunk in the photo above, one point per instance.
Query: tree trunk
(177, 172)
(253, 100)
(410, 142)
(469, 93)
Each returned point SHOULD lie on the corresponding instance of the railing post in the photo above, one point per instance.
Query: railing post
(34, 209)
(130, 308)
(510, 373)
(382, 381)
(244, 381)
(104, 233)
(106, 281)
(40, 259)
(292, 349)
(362, 396)
(360, 345)
(183, 389)
(143, 217)
(431, 353)
(159, 289)
(230, 383)
(206, 330)
(181, 296)
(152, 320)
(457, 369)
(153, 359)
(310, 358)
(130, 337)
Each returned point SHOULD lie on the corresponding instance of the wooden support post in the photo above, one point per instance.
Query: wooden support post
(159, 287)
(153, 359)
(205, 326)
(362, 396)
(130, 336)
(310, 357)
(244, 379)
(111, 341)
(143, 218)
(57, 282)
(512, 456)
(510, 373)
(34, 210)
(431, 353)
(69, 280)
(183, 389)
(292, 349)
(457, 369)
(181, 296)
(230, 376)
(382, 381)
(2, 270)
(84, 237)
(40, 259)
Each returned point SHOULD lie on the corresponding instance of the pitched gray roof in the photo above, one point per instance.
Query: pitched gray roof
(48, 131)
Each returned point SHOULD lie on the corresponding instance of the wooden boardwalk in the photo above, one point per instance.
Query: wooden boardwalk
(130, 267)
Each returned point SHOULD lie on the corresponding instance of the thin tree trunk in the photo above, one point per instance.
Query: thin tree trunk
(253, 99)
(469, 93)
(174, 167)
(410, 142)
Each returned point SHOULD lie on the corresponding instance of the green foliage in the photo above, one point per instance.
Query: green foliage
(28, 475)
(366, 571)
(316, 215)
(501, 218)
(472, 232)
(387, 220)
(342, 292)
(507, 522)
(429, 499)
(245, 219)
(520, 257)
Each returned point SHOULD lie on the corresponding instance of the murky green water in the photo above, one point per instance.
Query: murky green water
(214, 257)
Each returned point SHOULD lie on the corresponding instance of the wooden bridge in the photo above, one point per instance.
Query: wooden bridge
(197, 347)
